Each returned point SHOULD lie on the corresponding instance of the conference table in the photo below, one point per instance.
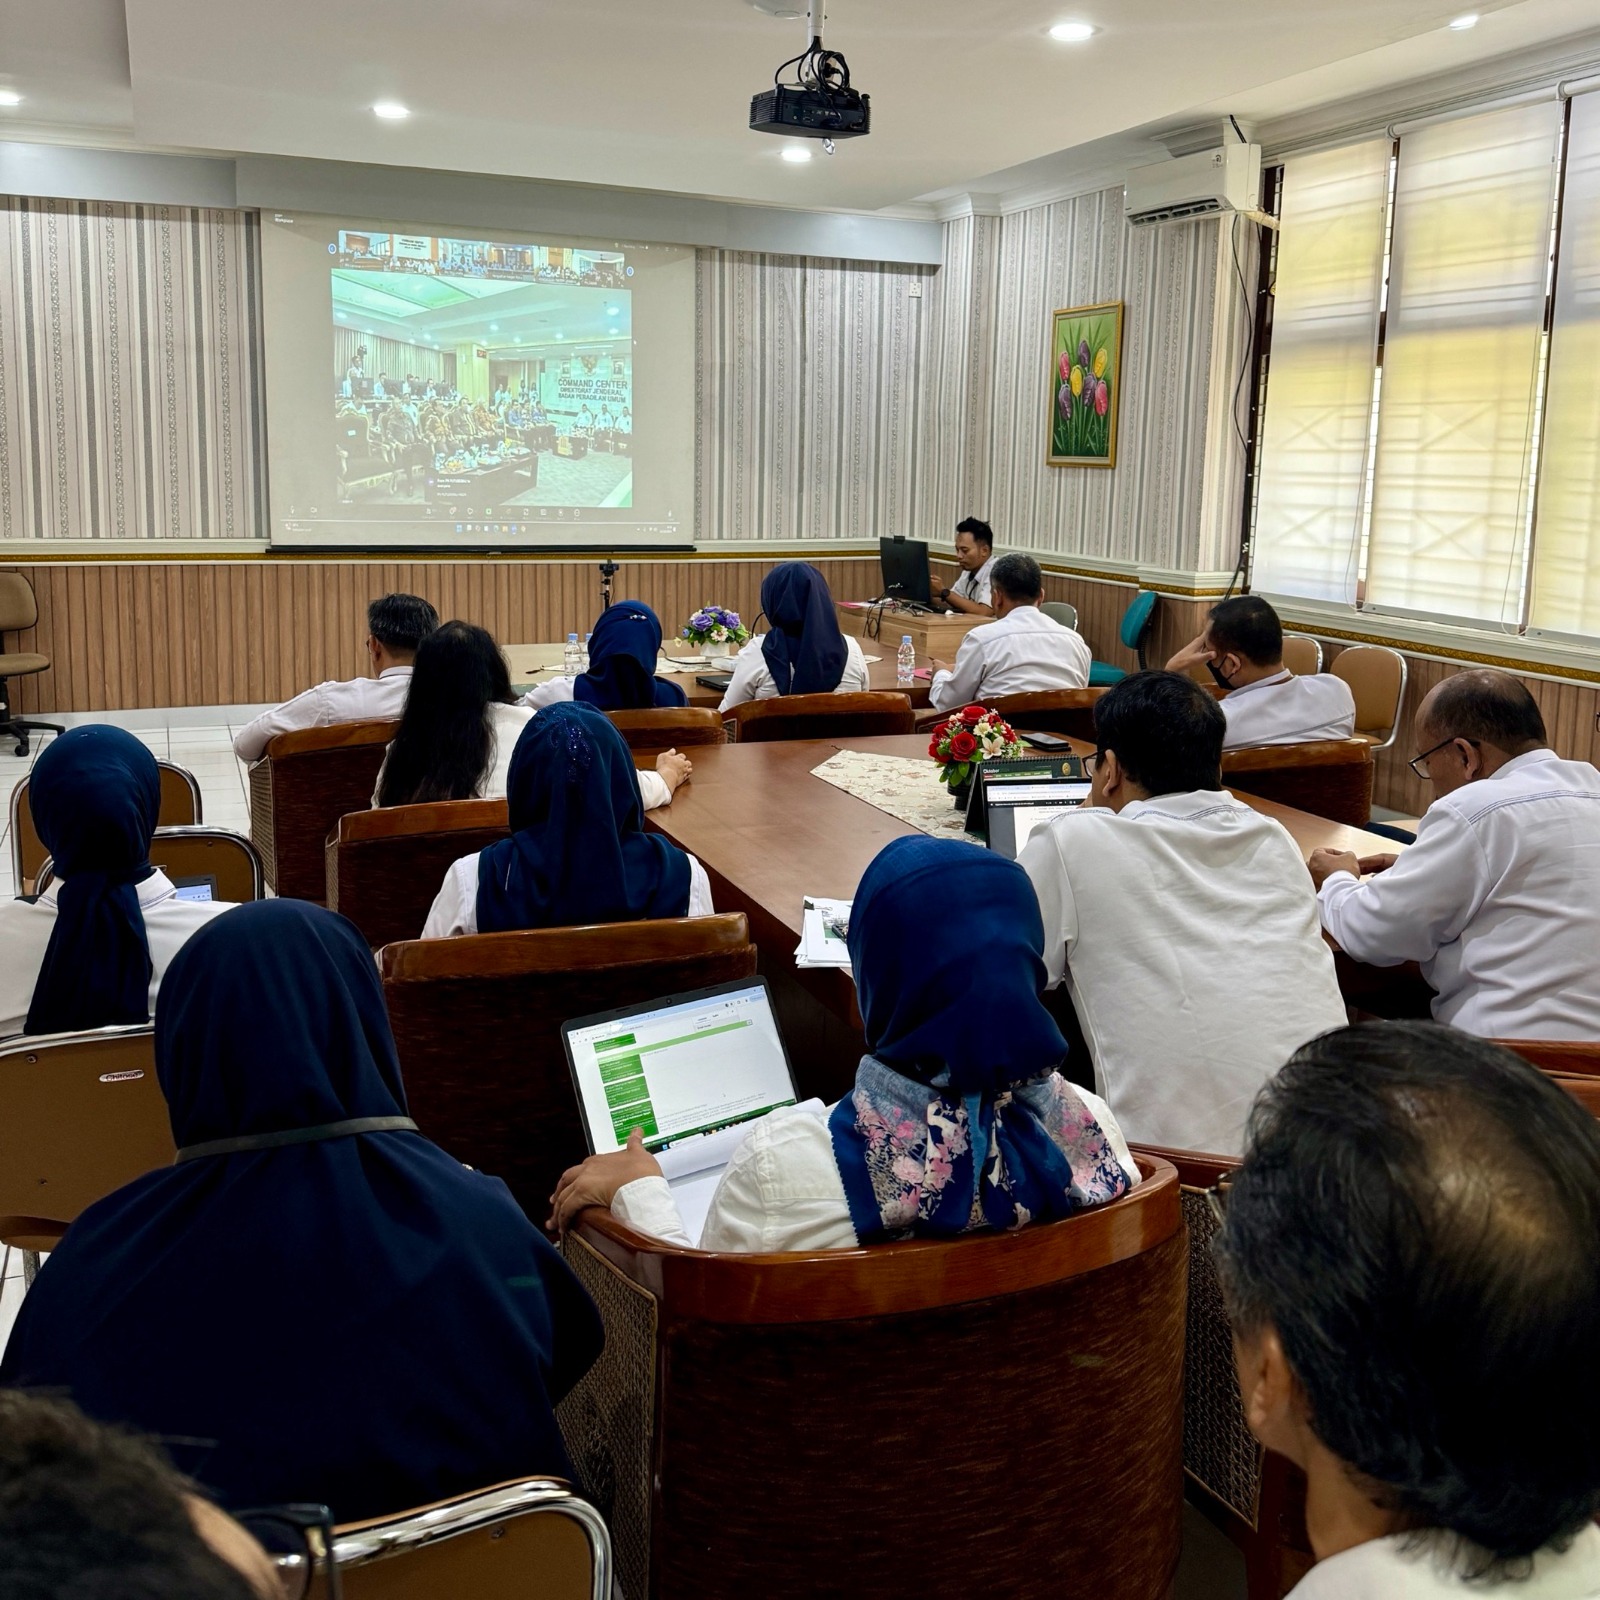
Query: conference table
(769, 833)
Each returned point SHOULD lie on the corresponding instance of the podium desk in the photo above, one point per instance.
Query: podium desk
(932, 633)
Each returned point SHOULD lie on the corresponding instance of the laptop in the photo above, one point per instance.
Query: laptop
(201, 886)
(714, 680)
(1015, 769)
(691, 1071)
(1015, 810)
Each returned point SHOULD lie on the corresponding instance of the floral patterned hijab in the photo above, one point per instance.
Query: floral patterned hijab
(959, 1118)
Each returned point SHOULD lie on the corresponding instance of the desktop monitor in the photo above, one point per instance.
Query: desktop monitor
(905, 571)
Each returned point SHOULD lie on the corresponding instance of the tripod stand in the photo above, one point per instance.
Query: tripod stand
(608, 570)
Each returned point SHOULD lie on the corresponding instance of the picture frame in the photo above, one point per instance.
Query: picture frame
(1085, 388)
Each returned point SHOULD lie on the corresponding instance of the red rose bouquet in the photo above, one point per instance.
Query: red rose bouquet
(960, 742)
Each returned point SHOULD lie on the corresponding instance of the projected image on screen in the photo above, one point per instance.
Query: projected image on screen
(472, 378)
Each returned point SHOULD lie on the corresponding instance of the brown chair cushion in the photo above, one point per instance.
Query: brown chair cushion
(21, 664)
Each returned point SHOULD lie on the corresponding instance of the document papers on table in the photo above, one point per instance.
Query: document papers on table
(824, 928)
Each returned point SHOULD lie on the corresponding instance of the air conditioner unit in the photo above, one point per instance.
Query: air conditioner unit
(1204, 185)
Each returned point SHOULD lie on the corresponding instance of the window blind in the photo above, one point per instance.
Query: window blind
(1319, 399)
(1462, 361)
(1566, 551)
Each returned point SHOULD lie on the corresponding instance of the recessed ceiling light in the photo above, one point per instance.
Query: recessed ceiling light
(613, 311)
(391, 111)
(777, 8)
(340, 315)
(1072, 32)
(494, 327)
(796, 153)
(10, 97)
(561, 336)
(1461, 24)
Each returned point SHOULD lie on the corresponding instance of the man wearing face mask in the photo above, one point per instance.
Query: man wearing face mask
(1242, 648)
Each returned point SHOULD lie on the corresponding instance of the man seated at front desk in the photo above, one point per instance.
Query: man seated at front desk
(970, 593)
(1499, 898)
(396, 625)
(1242, 648)
(1180, 921)
(1020, 651)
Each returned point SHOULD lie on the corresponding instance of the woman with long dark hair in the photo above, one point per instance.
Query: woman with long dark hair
(460, 725)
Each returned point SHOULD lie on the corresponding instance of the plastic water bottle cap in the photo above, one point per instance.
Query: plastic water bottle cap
(572, 638)
(905, 638)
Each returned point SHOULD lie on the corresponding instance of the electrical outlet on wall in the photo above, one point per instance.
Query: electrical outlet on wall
(914, 291)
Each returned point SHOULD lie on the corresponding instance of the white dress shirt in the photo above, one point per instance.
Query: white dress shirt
(975, 586)
(1018, 653)
(781, 1189)
(25, 935)
(1185, 929)
(360, 700)
(455, 907)
(1499, 900)
(1396, 1568)
(752, 680)
(1284, 709)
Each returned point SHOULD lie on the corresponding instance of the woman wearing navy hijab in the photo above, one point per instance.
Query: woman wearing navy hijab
(959, 1118)
(91, 950)
(803, 650)
(578, 852)
(315, 1303)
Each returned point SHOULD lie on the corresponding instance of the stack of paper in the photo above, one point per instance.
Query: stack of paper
(825, 927)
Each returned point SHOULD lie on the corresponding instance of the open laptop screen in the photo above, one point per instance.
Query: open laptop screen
(680, 1069)
(1015, 810)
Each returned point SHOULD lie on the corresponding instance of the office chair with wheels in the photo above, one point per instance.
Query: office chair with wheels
(19, 611)
(1137, 621)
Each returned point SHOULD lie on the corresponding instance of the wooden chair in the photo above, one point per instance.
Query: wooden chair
(1330, 778)
(1377, 678)
(1302, 654)
(1064, 711)
(300, 788)
(820, 716)
(228, 859)
(1583, 1088)
(1572, 1057)
(528, 1540)
(478, 1025)
(81, 1114)
(674, 727)
(180, 808)
(384, 867)
(1256, 1499)
(757, 1422)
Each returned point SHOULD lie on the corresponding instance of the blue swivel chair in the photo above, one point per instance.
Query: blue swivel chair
(1137, 621)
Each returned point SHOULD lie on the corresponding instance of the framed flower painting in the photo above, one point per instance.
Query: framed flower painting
(1085, 385)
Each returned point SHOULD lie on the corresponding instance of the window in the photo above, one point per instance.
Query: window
(1431, 427)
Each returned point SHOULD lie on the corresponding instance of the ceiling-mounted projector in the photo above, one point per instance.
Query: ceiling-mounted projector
(819, 103)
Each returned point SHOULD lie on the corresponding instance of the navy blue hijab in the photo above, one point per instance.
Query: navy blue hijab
(959, 1118)
(622, 662)
(357, 1320)
(95, 793)
(578, 852)
(804, 649)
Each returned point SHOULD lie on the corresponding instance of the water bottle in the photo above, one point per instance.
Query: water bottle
(905, 670)
(586, 638)
(572, 657)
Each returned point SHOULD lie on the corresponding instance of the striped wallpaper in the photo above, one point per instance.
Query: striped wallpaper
(130, 372)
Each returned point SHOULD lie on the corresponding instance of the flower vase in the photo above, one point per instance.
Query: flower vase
(712, 650)
(961, 793)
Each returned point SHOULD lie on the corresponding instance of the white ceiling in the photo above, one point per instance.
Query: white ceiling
(654, 94)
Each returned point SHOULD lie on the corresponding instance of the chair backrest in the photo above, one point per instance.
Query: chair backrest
(384, 867)
(1302, 654)
(1062, 611)
(300, 788)
(1582, 1087)
(478, 1025)
(228, 858)
(1377, 678)
(180, 808)
(1330, 778)
(81, 1114)
(1065, 711)
(821, 716)
(19, 609)
(1573, 1057)
(1066, 1338)
(530, 1540)
(672, 727)
(1137, 622)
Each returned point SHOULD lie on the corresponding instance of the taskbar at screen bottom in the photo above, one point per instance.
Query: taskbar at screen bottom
(562, 525)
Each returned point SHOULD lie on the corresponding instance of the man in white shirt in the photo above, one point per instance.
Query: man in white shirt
(1181, 922)
(1020, 651)
(396, 625)
(1266, 704)
(1408, 1261)
(1499, 898)
(970, 593)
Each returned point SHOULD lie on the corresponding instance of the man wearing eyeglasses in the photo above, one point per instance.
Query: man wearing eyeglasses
(1499, 898)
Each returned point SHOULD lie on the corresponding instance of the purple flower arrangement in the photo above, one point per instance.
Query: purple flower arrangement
(715, 625)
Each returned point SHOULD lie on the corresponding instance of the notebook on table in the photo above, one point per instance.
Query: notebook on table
(691, 1071)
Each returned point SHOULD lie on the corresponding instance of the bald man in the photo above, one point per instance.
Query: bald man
(1499, 898)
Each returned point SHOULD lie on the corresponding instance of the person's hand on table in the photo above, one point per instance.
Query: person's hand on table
(1324, 863)
(939, 666)
(595, 1182)
(676, 769)
(1194, 654)
(1378, 863)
